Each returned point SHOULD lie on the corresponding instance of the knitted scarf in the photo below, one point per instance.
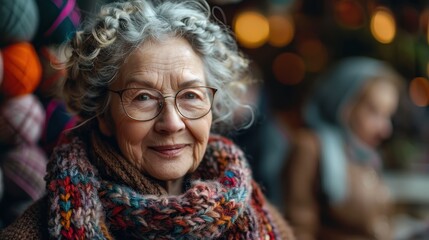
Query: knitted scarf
(101, 196)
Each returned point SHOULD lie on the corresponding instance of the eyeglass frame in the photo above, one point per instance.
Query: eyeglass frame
(120, 92)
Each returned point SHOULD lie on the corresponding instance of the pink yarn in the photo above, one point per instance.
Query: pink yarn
(25, 166)
(67, 11)
(21, 120)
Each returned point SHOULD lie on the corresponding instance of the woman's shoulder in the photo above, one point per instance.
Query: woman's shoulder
(32, 224)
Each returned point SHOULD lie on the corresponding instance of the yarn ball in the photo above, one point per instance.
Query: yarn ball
(24, 168)
(58, 119)
(22, 69)
(59, 20)
(52, 75)
(21, 120)
(18, 21)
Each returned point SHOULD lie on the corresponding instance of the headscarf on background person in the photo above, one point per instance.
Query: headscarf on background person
(325, 113)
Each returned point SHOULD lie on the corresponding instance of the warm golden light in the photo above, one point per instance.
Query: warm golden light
(281, 30)
(383, 26)
(251, 28)
(289, 68)
(419, 91)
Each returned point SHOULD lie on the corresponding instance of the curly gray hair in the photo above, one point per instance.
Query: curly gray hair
(98, 51)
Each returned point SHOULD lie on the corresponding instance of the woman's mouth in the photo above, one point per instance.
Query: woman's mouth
(168, 151)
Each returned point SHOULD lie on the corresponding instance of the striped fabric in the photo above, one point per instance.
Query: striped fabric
(21, 120)
(25, 166)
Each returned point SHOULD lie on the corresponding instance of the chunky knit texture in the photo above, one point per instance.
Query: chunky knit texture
(221, 200)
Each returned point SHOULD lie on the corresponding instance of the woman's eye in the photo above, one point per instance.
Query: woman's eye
(142, 97)
(190, 95)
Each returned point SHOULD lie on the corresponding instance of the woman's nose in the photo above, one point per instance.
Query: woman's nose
(169, 120)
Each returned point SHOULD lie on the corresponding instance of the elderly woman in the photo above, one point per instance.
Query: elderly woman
(333, 190)
(150, 82)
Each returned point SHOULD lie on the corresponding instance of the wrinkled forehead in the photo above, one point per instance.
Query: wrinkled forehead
(153, 62)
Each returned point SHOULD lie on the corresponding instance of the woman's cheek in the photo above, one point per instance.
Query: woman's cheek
(131, 138)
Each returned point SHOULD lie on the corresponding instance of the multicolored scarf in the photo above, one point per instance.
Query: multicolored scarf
(101, 196)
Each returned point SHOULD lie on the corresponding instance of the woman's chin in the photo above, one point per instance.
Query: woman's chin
(169, 174)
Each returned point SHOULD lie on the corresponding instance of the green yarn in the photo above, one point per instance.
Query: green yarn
(18, 21)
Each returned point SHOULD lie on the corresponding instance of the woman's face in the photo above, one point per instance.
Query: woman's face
(170, 145)
(370, 119)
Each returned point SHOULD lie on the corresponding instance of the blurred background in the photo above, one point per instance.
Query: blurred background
(290, 43)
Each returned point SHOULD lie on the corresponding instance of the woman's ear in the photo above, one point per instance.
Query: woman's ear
(105, 126)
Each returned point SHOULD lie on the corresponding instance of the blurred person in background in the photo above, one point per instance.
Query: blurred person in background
(153, 83)
(333, 188)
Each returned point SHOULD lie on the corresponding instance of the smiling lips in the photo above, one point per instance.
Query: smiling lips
(169, 150)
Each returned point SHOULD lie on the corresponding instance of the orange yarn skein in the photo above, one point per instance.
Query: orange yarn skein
(22, 69)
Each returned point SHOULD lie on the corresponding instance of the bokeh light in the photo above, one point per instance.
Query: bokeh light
(419, 91)
(383, 26)
(314, 53)
(289, 68)
(251, 29)
(281, 30)
(349, 13)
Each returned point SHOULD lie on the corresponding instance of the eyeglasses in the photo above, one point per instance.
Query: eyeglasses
(145, 104)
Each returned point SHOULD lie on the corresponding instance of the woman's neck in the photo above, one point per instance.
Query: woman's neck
(174, 187)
